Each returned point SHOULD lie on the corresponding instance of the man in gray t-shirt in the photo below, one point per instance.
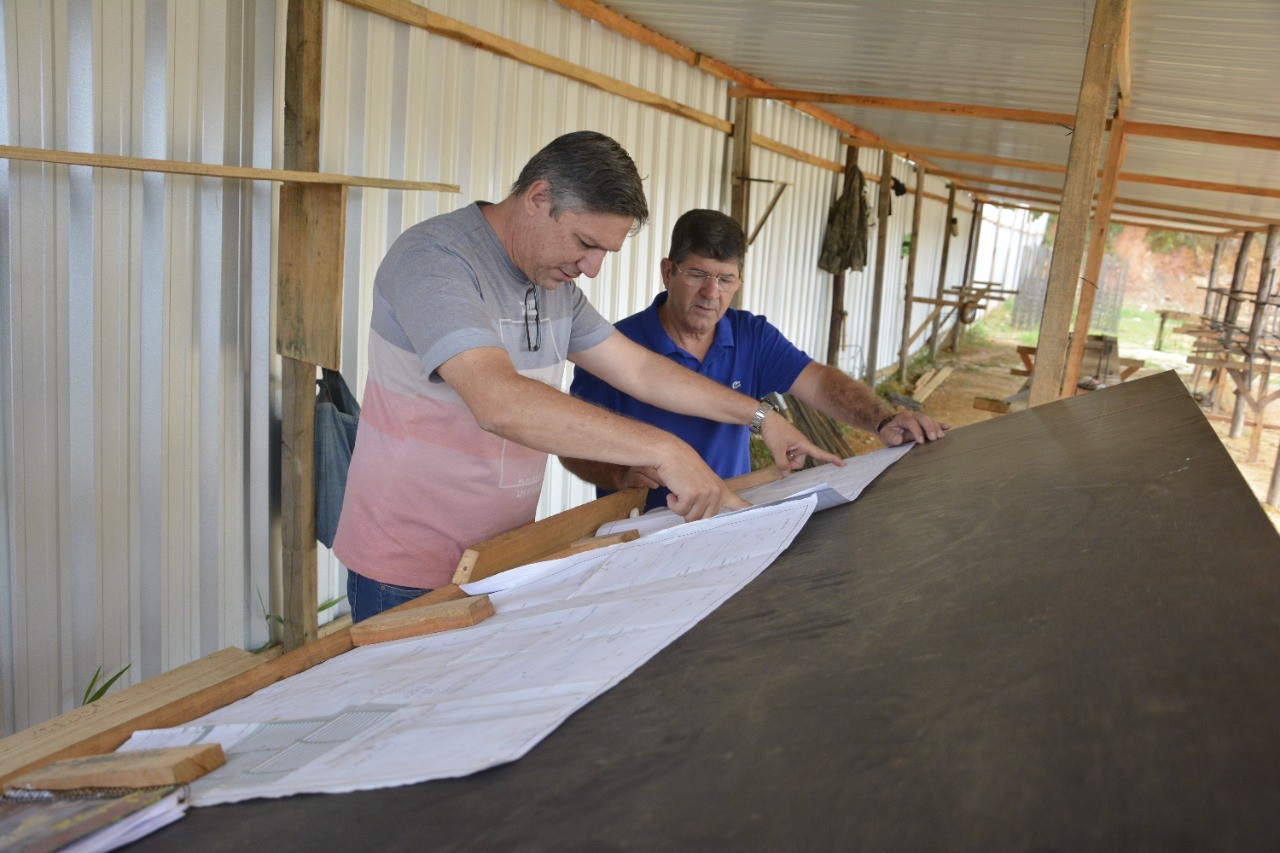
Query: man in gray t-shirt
(474, 315)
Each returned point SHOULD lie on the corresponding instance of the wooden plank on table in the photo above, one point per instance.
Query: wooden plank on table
(419, 621)
(46, 742)
(1077, 199)
(139, 768)
(755, 478)
(592, 543)
(532, 542)
(172, 699)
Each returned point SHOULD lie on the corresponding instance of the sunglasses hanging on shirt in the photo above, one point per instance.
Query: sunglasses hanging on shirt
(532, 337)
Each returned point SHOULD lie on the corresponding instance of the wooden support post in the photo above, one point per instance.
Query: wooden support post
(1097, 251)
(1261, 300)
(837, 319)
(966, 277)
(942, 268)
(905, 350)
(838, 313)
(1217, 377)
(303, 61)
(1273, 493)
(1213, 277)
(1077, 199)
(882, 241)
(740, 173)
(1237, 286)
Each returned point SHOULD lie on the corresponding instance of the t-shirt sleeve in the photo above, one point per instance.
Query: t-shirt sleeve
(589, 327)
(434, 297)
(778, 361)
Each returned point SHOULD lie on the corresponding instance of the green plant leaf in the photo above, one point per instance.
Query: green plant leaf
(102, 691)
(88, 691)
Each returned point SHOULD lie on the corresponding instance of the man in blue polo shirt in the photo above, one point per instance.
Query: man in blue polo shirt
(691, 323)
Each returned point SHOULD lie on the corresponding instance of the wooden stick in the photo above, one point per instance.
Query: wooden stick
(139, 768)
(212, 170)
(430, 619)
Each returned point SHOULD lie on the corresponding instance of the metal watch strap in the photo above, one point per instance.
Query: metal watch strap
(762, 411)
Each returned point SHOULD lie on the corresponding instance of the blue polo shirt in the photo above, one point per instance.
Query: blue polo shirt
(748, 355)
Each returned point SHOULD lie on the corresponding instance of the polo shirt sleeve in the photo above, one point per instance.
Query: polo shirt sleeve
(777, 361)
(589, 387)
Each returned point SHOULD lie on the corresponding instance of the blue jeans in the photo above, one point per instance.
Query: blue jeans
(369, 597)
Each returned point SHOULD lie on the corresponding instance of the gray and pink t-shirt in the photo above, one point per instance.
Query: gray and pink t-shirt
(425, 481)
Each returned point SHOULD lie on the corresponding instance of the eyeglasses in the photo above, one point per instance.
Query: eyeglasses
(697, 278)
(532, 337)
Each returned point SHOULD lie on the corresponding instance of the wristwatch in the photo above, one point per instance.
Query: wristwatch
(757, 419)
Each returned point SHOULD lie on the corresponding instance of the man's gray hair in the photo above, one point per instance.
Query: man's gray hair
(588, 173)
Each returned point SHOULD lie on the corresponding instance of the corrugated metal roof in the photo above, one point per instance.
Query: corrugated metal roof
(1212, 66)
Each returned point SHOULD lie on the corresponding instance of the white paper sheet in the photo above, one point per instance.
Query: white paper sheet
(452, 704)
(832, 484)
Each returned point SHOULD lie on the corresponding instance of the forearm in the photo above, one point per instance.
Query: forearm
(838, 396)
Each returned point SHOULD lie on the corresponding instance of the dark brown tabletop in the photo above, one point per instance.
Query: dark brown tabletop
(1056, 630)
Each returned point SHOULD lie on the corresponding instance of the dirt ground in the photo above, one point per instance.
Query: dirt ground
(983, 371)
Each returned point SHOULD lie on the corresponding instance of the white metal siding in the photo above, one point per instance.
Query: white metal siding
(135, 375)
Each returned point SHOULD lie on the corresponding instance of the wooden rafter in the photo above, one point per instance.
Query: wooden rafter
(905, 105)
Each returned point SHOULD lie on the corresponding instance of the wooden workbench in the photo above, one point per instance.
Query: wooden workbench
(1058, 629)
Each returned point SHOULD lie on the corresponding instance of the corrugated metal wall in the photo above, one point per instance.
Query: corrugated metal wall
(138, 405)
(135, 315)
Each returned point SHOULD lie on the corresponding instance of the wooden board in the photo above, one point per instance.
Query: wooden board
(415, 622)
(141, 768)
(63, 735)
(935, 381)
(309, 287)
(534, 541)
(172, 699)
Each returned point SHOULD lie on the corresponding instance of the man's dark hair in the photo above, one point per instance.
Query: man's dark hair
(709, 234)
(588, 173)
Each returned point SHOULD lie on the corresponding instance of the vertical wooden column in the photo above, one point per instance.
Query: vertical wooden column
(966, 277)
(1234, 298)
(882, 239)
(910, 291)
(1077, 199)
(942, 271)
(303, 65)
(838, 313)
(1261, 300)
(1097, 251)
(1213, 277)
(740, 173)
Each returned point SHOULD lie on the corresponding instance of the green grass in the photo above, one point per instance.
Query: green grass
(1137, 330)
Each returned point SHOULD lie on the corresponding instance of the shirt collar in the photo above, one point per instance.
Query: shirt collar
(662, 343)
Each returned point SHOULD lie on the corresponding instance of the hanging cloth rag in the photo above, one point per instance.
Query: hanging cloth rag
(844, 245)
(337, 416)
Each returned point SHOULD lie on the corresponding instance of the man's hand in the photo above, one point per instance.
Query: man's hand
(788, 445)
(910, 426)
(639, 477)
(696, 492)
